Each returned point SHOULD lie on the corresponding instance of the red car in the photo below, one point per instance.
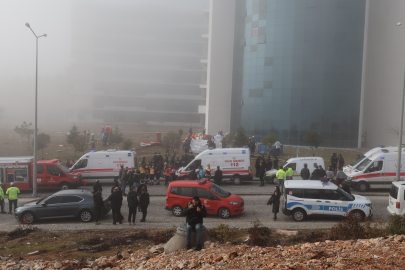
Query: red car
(216, 200)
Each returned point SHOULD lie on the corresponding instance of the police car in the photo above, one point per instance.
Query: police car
(312, 197)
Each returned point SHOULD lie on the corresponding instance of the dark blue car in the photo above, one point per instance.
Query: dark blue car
(72, 203)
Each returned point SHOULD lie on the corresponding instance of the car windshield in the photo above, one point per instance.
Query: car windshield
(63, 167)
(364, 164)
(219, 191)
(357, 161)
(347, 195)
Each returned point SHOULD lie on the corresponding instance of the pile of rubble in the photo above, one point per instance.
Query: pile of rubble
(380, 253)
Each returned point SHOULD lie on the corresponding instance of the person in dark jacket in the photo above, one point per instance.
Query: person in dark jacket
(133, 204)
(341, 160)
(124, 180)
(262, 171)
(195, 212)
(269, 164)
(275, 162)
(257, 166)
(345, 187)
(98, 204)
(137, 178)
(131, 177)
(334, 162)
(116, 203)
(192, 175)
(275, 201)
(305, 174)
(144, 202)
(116, 185)
(315, 173)
(139, 188)
(121, 170)
(218, 176)
(96, 186)
(322, 172)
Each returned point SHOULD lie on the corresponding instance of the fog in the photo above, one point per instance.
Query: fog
(96, 48)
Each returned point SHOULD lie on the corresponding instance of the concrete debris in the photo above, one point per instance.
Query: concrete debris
(380, 253)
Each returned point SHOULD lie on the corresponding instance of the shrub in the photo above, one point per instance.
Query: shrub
(349, 229)
(127, 144)
(223, 233)
(259, 236)
(396, 225)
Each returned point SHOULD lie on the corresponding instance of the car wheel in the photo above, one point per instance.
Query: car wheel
(272, 179)
(358, 213)
(237, 180)
(299, 214)
(176, 210)
(224, 213)
(363, 187)
(86, 216)
(64, 186)
(27, 218)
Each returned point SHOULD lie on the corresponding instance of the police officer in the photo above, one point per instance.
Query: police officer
(2, 199)
(12, 193)
(281, 174)
(290, 173)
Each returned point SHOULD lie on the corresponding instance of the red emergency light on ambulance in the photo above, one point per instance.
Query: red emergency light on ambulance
(50, 174)
(104, 164)
(234, 163)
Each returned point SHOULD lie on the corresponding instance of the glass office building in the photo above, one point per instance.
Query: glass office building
(302, 69)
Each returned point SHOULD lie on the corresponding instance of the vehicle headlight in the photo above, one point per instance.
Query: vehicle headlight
(74, 177)
(370, 205)
(17, 210)
(234, 203)
(350, 178)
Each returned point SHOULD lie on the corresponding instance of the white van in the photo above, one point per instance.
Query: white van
(376, 171)
(297, 164)
(234, 163)
(104, 164)
(370, 153)
(314, 197)
(396, 203)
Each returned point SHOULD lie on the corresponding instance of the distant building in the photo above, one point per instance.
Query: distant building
(137, 61)
(335, 66)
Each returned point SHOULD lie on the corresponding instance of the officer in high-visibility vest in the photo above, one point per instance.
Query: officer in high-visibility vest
(2, 199)
(12, 193)
(290, 173)
(281, 174)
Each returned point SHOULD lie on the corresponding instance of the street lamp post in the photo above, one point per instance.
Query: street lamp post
(34, 184)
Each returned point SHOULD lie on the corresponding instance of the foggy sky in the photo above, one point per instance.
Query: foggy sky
(17, 52)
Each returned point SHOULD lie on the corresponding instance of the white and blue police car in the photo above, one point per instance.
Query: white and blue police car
(314, 197)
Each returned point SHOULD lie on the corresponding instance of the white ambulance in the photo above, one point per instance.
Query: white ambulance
(303, 198)
(368, 154)
(297, 164)
(104, 164)
(396, 202)
(234, 163)
(376, 171)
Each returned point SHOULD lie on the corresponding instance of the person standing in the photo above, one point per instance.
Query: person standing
(151, 175)
(334, 162)
(180, 133)
(345, 187)
(116, 185)
(201, 173)
(195, 212)
(277, 144)
(98, 205)
(322, 172)
(275, 163)
(269, 164)
(330, 174)
(120, 173)
(96, 186)
(262, 171)
(281, 176)
(315, 173)
(139, 188)
(305, 174)
(2, 200)
(275, 201)
(168, 176)
(133, 204)
(257, 166)
(124, 180)
(137, 178)
(341, 160)
(193, 175)
(207, 173)
(218, 176)
(289, 173)
(144, 202)
(131, 178)
(116, 203)
(103, 138)
(12, 193)
(340, 176)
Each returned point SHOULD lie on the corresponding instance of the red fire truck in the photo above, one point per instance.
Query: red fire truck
(50, 174)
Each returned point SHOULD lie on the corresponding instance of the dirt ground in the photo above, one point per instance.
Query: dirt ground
(93, 244)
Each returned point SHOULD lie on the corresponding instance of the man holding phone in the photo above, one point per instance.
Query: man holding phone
(195, 212)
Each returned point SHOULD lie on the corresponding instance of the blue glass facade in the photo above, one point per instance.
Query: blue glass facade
(302, 66)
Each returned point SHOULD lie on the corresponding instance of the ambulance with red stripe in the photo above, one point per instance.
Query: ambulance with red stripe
(234, 163)
(376, 171)
(104, 164)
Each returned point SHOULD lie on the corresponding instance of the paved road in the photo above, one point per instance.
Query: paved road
(255, 208)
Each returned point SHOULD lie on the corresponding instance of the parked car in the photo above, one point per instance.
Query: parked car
(216, 200)
(396, 203)
(76, 203)
(314, 197)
